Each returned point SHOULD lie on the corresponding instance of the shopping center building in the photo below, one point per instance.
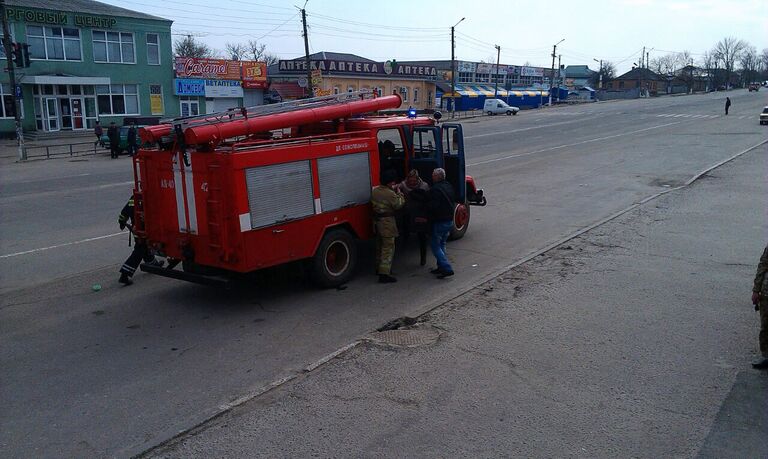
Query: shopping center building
(89, 61)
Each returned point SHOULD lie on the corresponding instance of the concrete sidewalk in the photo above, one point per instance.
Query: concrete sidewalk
(631, 340)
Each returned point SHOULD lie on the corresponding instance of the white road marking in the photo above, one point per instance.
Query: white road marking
(598, 139)
(90, 239)
(522, 129)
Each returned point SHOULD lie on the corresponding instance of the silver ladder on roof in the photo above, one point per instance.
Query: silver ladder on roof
(263, 110)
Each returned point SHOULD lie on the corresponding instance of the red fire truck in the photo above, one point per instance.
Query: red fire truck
(246, 189)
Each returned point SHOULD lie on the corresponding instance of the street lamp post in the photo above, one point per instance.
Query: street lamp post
(496, 76)
(552, 73)
(600, 74)
(453, 69)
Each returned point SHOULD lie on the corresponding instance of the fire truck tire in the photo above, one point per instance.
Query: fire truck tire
(335, 259)
(460, 222)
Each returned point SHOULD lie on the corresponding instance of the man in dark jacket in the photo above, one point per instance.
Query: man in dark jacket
(114, 140)
(140, 249)
(727, 104)
(132, 145)
(760, 300)
(441, 204)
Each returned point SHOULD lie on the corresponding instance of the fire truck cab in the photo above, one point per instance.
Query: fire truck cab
(247, 189)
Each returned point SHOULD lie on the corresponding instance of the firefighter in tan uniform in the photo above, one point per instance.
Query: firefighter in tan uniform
(385, 202)
(760, 300)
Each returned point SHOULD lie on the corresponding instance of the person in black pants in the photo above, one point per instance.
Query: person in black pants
(114, 140)
(132, 145)
(140, 249)
(727, 104)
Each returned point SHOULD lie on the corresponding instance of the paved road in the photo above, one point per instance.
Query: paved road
(114, 372)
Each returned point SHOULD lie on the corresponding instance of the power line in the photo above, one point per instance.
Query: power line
(368, 24)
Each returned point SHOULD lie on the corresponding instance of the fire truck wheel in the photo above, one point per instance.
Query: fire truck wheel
(335, 259)
(460, 221)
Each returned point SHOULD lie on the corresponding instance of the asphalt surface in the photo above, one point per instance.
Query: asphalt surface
(117, 371)
(631, 340)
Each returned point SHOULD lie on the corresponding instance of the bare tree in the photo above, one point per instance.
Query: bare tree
(608, 71)
(708, 62)
(189, 47)
(235, 51)
(258, 52)
(750, 63)
(728, 51)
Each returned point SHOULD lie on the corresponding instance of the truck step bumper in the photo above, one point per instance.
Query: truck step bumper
(216, 281)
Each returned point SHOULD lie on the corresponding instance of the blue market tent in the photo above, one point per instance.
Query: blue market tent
(472, 97)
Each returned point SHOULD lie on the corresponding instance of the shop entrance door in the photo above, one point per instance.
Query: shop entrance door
(66, 113)
(51, 115)
(78, 120)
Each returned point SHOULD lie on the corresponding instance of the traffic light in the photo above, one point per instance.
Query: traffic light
(18, 58)
(21, 54)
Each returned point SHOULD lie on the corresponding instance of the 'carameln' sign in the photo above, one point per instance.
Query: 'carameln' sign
(213, 69)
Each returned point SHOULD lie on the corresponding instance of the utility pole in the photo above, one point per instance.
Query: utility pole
(496, 77)
(306, 51)
(642, 59)
(453, 69)
(552, 73)
(12, 77)
(559, 74)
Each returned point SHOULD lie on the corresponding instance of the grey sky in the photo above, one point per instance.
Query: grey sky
(611, 30)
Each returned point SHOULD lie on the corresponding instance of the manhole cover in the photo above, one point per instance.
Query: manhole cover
(409, 337)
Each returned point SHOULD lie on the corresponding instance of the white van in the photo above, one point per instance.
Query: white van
(496, 106)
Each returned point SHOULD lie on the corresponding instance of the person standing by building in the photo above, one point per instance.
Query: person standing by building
(385, 201)
(140, 249)
(441, 204)
(727, 104)
(132, 139)
(760, 300)
(113, 133)
(99, 131)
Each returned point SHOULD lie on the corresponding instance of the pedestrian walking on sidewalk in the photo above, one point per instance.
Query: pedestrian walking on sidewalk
(760, 300)
(441, 204)
(727, 104)
(99, 131)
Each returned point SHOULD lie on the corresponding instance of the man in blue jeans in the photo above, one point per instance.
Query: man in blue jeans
(441, 204)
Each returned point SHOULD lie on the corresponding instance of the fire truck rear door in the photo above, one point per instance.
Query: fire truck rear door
(426, 154)
(453, 159)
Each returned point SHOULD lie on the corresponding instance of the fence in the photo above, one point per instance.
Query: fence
(71, 149)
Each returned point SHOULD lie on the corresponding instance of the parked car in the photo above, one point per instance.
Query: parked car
(122, 147)
(764, 115)
(496, 106)
(754, 87)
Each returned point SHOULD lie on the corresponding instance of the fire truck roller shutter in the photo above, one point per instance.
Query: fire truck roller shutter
(344, 181)
(279, 192)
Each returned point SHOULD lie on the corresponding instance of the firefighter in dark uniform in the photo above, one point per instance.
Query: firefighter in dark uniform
(385, 201)
(760, 300)
(140, 249)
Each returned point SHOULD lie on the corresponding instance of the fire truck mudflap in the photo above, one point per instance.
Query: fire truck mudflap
(226, 194)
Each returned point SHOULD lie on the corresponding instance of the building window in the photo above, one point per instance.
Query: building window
(118, 99)
(7, 108)
(350, 89)
(497, 78)
(336, 90)
(465, 77)
(190, 106)
(415, 95)
(153, 49)
(429, 99)
(621, 85)
(113, 47)
(404, 93)
(13, 40)
(380, 91)
(54, 43)
(483, 78)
